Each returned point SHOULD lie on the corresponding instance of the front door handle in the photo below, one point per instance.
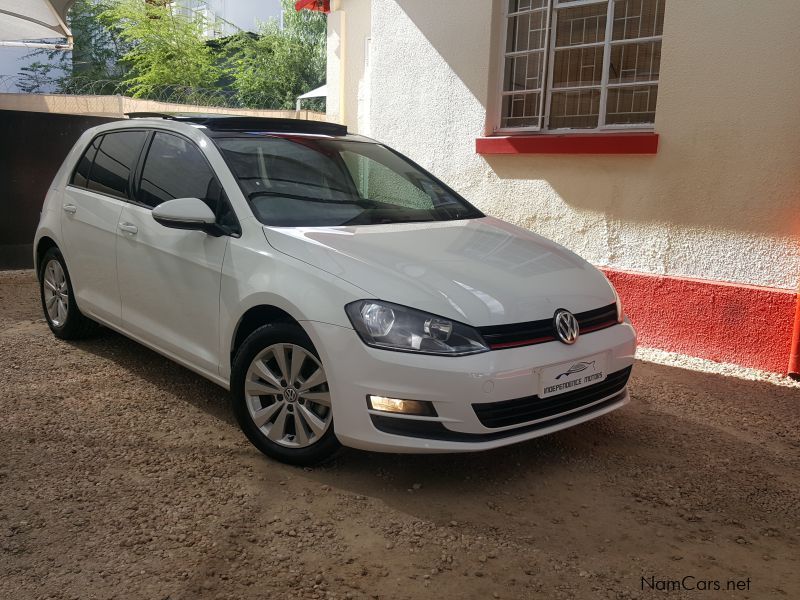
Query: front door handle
(70, 208)
(129, 228)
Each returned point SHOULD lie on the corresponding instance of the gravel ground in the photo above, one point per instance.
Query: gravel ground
(123, 475)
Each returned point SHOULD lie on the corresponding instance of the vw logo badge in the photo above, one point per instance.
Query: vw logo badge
(566, 326)
(290, 394)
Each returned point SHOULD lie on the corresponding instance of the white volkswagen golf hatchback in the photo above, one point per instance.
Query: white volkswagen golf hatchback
(343, 294)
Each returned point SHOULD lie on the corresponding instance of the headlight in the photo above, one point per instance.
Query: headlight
(394, 327)
(617, 301)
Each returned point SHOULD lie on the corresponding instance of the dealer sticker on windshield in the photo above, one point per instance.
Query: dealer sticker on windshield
(574, 375)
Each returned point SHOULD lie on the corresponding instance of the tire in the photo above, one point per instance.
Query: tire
(55, 290)
(283, 408)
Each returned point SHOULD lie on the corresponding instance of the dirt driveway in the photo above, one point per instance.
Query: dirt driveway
(123, 475)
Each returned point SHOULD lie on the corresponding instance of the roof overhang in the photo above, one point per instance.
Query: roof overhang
(28, 23)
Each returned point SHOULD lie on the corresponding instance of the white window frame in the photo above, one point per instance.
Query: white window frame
(545, 95)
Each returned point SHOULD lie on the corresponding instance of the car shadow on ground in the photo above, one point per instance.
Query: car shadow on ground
(475, 468)
(159, 371)
(696, 460)
(664, 400)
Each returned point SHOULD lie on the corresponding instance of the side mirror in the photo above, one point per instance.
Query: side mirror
(187, 213)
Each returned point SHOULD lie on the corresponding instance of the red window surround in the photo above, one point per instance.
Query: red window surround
(572, 143)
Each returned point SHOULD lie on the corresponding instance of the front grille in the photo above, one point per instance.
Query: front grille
(538, 332)
(599, 318)
(533, 408)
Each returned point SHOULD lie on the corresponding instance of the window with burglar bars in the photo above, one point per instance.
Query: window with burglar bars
(581, 64)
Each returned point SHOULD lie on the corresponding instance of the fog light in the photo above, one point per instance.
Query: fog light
(406, 407)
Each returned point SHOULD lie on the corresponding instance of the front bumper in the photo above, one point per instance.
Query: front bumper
(454, 385)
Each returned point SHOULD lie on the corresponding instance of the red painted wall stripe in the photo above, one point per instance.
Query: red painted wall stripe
(609, 143)
(745, 325)
(794, 357)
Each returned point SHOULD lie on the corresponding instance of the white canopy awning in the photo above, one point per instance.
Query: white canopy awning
(25, 22)
(320, 92)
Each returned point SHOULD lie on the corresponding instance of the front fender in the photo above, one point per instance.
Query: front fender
(264, 277)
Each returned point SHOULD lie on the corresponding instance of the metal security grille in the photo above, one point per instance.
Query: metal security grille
(581, 64)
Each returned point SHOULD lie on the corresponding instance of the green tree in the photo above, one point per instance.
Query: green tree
(167, 47)
(36, 77)
(98, 48)
(271, 69)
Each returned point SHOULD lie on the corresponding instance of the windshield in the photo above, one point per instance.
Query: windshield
(309, 182)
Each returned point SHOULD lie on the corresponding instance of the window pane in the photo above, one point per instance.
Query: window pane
(114, 161)
(378, 182)
(273, 165)
(638, 18)
(526, 32)
(578, 67)
(581, 25)
(520, 5)
(577, 108)
(524, 72)
(521, 110)
(175, 168)
(81, 176)
(319, 183)
(631, 104)
(634, 62)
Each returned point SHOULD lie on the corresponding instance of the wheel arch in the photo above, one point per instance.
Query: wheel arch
(42, 246)
(253, 318)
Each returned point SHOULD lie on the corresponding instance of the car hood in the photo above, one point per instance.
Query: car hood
(478, 271)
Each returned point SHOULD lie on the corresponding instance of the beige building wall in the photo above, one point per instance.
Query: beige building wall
(349, 26)
(720, 200)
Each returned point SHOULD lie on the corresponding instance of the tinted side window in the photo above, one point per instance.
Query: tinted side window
(175, 168)
(114, 161)
(80, 177)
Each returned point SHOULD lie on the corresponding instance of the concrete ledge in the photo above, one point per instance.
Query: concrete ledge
(548, 143)
(117, 106)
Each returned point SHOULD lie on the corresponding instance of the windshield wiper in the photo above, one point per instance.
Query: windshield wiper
(380, 217)
(357, 202)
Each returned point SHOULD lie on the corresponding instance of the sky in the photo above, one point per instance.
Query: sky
(11, 59)
(245, 14)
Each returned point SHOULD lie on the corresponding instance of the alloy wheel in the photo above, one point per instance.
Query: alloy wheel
(56, 293)
(287, 395)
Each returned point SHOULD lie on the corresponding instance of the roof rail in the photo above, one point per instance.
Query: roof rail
(237, 123)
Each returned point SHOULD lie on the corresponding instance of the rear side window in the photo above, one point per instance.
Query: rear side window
(175, 168)
(114, 161)
(80, 177)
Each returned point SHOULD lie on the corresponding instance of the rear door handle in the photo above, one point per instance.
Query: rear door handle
(70, 208)
(129, 228)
